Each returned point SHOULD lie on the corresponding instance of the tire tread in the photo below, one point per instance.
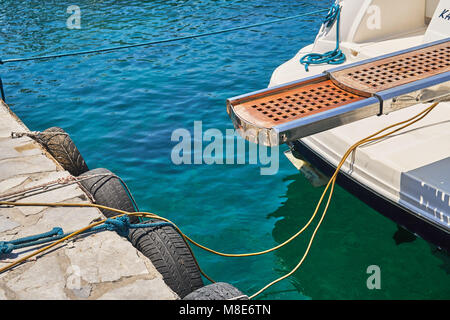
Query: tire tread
(166, 248)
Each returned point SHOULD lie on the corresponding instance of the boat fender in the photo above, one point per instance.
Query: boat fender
(59, 144)
(108, 190)
(217, 291)
(170, 255)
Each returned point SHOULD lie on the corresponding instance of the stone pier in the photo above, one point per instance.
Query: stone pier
(98, 266)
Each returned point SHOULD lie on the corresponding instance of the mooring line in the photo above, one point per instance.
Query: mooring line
(332, 181)
(335, 56)
(64, 182)
(161, 40)
(105, 50)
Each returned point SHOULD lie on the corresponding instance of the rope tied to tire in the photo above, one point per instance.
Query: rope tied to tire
(120, 224)
(34, 134)
(335, 56)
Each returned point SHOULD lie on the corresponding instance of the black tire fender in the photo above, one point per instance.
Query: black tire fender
(107, 190)
(217, 291)
(170, 255)
(59, 144)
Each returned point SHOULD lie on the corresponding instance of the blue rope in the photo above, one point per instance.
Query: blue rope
(335, 56)
(162, 40)
(8, 246)
(121, 225)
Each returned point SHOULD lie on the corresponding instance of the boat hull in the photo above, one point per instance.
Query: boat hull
(388, 208)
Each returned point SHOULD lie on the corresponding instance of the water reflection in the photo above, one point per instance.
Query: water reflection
(351, 238)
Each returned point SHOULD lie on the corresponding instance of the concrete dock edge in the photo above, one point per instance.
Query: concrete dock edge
(103, 265)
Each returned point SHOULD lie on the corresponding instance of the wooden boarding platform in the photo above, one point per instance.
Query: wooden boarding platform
(342, 95)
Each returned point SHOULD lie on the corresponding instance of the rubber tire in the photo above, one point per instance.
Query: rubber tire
(108, 191)
(170, 255)
(216, 291)
(63, 149)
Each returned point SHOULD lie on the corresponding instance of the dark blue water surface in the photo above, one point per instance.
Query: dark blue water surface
(121, 108)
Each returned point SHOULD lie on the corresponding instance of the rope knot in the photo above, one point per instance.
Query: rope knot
(332, 15)
(6, 247)
(120, 224)
(57, 231)
(335, 56)
(67, 179)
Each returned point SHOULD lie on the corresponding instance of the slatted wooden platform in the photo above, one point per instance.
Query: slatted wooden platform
(344, 94)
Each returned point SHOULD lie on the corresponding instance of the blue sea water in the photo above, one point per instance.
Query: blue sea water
(121, 108)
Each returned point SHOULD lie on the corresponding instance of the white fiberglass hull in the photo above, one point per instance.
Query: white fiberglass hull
(411, 169)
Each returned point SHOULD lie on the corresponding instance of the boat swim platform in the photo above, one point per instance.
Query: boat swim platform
(99, 266)
(343, 95)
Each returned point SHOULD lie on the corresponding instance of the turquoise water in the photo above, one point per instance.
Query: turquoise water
(121, 108)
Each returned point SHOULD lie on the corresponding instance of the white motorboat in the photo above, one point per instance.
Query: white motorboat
(397, 61)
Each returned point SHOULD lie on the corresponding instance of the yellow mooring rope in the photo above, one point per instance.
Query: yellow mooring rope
(331, 184)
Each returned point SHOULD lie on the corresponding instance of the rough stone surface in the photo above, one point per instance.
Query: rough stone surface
(11, 183)
(42, 281)
(9, 122)
(97, 256)
(2, 294)
(25, 165)
(16, 148)
(7, 224)
(139, 289)
(102, 265)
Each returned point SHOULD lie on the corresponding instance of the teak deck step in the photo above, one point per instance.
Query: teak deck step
(387, 73)
(296, 103)
(343, 95)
